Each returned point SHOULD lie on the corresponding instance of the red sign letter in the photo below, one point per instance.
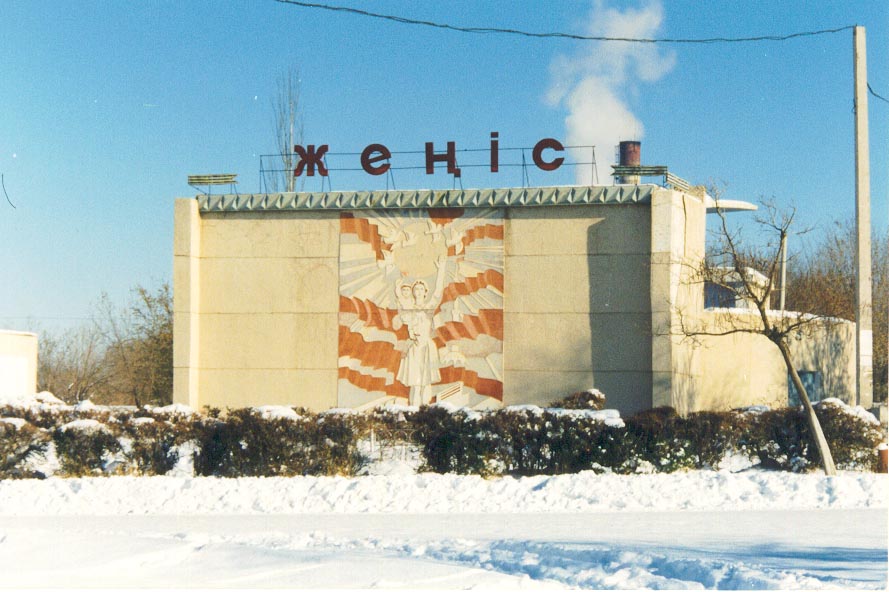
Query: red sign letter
(543, 145)
(309, 159)
(367, 161)
(495, 152)
(449, 157)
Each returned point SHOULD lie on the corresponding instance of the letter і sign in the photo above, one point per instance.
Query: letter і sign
(374, 155)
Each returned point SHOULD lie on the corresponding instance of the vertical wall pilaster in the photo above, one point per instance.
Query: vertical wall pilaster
(186, 301)
(677, 249)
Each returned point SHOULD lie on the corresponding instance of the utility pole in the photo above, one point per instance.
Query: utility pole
(783, 293)
(864, 336)
(291, 179)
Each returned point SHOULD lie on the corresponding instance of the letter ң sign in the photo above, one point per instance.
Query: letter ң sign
(375, 157)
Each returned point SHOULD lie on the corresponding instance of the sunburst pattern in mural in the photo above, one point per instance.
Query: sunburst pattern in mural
(421, 307)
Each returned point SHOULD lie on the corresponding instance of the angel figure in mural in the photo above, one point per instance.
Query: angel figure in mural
(419, 367)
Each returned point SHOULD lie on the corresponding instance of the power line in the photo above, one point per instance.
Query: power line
(3, 183)
(557, 35)
(875, 94)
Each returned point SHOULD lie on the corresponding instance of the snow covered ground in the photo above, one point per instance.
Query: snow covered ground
(740, 528)
(752, 529)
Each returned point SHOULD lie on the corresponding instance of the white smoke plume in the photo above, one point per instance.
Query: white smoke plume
(594, 85)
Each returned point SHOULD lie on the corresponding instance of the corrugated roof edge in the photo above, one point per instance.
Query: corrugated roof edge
(429, 198)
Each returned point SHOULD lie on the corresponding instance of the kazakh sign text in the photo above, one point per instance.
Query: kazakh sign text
(375, 157)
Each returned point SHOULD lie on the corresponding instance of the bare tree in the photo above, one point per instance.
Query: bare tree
(71, 364)
(123, 356)
(288, 126)
(748, 274)
(139, 353)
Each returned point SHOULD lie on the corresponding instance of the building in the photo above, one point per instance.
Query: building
(478, 297)
(18, 364)
(728, 291)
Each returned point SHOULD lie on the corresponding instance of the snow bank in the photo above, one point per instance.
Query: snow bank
(85, 405)
(340, 411)
(832, 549)
(45, 400)
(174, 409)
(611, 417)
(36, 400)
(604, 567)
(85, 425)
(434, 494)
(856, 411)
(15, 421)
(277, 412)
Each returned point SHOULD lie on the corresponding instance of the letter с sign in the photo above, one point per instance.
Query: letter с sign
(375, 157)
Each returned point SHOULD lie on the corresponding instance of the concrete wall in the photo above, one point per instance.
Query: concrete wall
(256, 301)
(255, 308)
(18, 364)
(677, 249)
(593, 296)
(742, 369)
(747, 369)
(829, 348)
(577, 310)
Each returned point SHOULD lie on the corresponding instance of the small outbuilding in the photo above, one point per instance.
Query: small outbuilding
(18, 364)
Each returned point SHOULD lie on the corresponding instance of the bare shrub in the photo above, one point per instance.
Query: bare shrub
(246, 444)
(19, 441)
(588, 399)
(71, 364)
(85, 451)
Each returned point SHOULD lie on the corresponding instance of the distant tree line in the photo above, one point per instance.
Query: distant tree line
(821, 280)
(123, 357)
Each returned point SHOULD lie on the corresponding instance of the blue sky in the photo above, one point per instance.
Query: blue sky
(106, 107)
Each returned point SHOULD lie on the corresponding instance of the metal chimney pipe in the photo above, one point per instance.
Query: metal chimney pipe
(630, 155)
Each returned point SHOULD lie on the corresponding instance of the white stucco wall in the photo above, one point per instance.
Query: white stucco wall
(18, 364)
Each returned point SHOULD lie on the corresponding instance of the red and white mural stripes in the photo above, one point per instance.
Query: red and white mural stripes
(421, 307)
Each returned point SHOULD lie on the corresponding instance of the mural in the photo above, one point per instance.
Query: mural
(421, 307)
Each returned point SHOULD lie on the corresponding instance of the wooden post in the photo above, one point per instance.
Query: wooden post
(821, 444)
(864, 372)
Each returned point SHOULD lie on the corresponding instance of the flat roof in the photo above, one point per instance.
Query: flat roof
(14, 332)
(429, 198)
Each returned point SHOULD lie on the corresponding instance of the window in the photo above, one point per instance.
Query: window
(716, 296)
(812, 381)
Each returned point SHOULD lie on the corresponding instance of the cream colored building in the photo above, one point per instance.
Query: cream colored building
(294, 299)
(746, 369)
(18, 364)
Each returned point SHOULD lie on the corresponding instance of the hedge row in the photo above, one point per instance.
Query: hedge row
(246, 442)
(72, 441)
(534, 441)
